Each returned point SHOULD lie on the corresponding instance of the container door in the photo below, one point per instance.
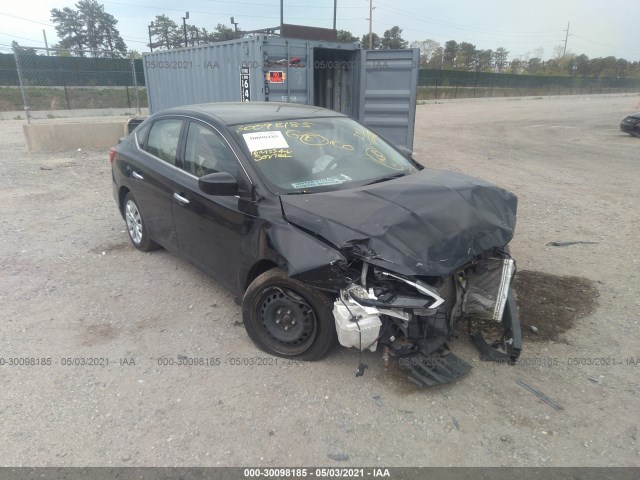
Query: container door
(388, 87)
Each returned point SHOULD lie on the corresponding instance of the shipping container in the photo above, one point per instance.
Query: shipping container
(377, 87)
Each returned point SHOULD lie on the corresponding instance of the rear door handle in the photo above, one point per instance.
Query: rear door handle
(181, 200)
(136, 175)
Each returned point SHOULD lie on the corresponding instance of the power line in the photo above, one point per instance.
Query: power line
(21, 38)
(412, 15)
(599, 43)
(218, 13)
(276, 5)
(26, 19)
(424, 32)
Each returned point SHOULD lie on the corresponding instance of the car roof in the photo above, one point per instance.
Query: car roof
(231, 113)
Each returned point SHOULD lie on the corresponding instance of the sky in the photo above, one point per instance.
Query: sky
(597, 28)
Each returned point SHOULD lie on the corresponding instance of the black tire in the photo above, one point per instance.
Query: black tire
(287, 318)
(136, 228)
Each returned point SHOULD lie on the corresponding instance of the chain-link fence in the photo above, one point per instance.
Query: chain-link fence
(446, 84)
(38, 79)
(47, 81)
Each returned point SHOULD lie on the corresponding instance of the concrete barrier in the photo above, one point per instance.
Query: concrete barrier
(58, 137)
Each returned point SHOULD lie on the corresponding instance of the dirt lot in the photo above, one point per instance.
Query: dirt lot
(72, 287)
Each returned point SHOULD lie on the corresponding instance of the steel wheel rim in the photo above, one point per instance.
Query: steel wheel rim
(134, 222)
(288, 322)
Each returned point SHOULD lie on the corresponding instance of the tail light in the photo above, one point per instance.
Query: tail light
(112, 154)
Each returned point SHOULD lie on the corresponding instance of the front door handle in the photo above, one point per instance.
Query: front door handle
(181, 200)
(136, 175)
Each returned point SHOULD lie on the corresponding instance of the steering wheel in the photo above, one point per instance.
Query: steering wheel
(336, 161)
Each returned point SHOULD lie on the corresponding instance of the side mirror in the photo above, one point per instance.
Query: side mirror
(218, 183)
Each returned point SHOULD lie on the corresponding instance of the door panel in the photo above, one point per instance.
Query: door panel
(153, 193)
(209, 228)
(388, 88)
(151, 179)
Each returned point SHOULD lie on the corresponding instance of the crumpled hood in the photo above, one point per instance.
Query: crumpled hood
(430, 223)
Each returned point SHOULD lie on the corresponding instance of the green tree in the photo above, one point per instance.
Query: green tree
(605, 67)
(428, 49)
(484, 59)
(88, 27)
(205, 36)
(165, 33)
(582, 65)
(374, 37)
(500, 59)
(222, 33)
(111, 38)
(89, 12)
(467, 56)
(516, 66)
(194, 35)
(450, 53)
(392, 38)
(69, 29)
(535, 66)
(436, 58)
(623, 67)
(344, 36)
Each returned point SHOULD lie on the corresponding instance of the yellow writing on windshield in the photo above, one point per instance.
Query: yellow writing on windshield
(315, 139)
(272, 153)
(273, 126)
(366, 136)
(379, 157)
(308, 138)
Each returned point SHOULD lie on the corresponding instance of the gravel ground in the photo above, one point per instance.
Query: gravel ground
(72, 287)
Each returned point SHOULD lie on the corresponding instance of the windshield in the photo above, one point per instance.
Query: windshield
(320, 154)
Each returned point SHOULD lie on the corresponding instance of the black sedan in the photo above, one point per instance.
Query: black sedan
(631, 124)
(328, 232)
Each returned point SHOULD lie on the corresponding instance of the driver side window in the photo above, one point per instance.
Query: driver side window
(206, 152)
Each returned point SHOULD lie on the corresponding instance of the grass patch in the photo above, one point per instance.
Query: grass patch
(71, 98)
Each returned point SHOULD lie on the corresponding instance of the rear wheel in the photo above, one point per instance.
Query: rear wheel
(287, 318)
(135, 225)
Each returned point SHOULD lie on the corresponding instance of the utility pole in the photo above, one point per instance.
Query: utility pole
(281, 16)
(46, 45)
(184, 27)
(566, 37)
(370, 24)
(150, 41)
(335, 8)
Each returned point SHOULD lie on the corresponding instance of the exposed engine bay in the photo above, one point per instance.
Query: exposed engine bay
(413, 318)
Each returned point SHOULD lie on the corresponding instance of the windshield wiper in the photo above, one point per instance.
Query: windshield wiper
(388, 177)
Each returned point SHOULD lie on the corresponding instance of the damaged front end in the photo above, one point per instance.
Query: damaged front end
(422, 256)
(414, 318)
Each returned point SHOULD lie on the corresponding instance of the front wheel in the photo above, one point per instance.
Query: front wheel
(287, 318)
